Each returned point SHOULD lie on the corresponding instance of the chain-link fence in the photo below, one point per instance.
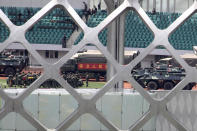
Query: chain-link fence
(88, 105)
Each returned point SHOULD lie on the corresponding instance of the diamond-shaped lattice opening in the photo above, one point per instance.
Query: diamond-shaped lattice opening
(14, 121)
(18, 67)
(136, 33)
(183, 107)
(57, 28)
(4, 32)
(92, 12)
(88, 65)
(86, 69)
(50, 106)
(124, 106)
(93, 16)
(184, 37)
(87, 122)
(19, 15)
(159, 70)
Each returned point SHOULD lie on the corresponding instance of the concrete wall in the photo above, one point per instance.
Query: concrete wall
(77, 4)
(52, 106)
(33, 62)
(96, 2)
(174, 5)
(180, 5)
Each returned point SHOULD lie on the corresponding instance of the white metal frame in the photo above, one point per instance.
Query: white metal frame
(51, 71)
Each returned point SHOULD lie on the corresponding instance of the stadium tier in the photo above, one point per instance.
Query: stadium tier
(51, 28)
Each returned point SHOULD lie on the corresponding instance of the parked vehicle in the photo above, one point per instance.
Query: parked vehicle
(161, 76)
(10, 65)
(95, 65)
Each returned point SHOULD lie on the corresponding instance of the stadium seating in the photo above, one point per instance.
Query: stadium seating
(52, 27)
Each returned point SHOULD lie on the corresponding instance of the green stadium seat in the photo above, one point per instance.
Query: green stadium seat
(137, 35)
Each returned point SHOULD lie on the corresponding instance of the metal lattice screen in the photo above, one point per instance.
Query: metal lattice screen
(51, 71)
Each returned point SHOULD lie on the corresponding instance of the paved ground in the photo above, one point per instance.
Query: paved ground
(3, 78)
(127, 85)
(195, 87)
(38, 70)
(33, 70)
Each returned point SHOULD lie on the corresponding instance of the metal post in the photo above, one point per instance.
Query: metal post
(154, 4)
(115, 37)
(121, 35)
(111, 38)
(141, 2)
(93, 3)
(174, 6)
(147, 5)
(161, 5)
(168, 6)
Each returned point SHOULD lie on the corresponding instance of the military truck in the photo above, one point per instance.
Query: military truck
(93, 63)
(10, 65)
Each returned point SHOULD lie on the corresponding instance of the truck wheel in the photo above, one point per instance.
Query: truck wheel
(9, 71)
(189, 86)
(152, 85)
(168, 85)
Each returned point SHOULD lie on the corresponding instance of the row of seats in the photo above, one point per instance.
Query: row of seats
(52, 27)
(49, 30)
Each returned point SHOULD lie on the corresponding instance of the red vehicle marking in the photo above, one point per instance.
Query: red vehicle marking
(92, 66)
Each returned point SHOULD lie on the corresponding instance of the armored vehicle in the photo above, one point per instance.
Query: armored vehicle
(160, 76)
(9, 65)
